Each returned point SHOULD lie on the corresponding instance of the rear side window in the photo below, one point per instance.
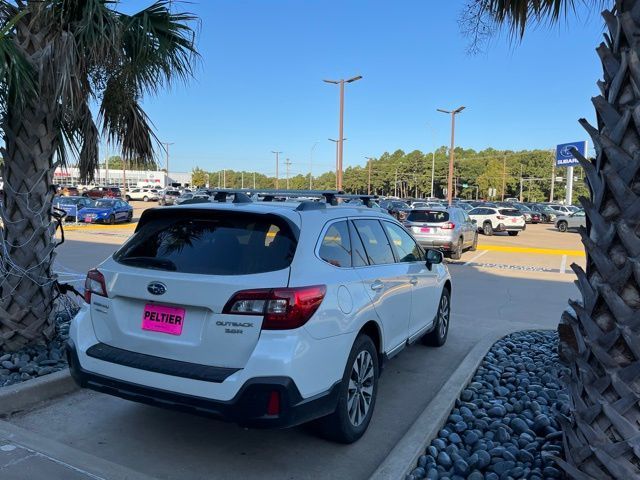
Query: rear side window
(215, 244)
(428, 216)
(336, 245)
(375, 242)
(407, 250)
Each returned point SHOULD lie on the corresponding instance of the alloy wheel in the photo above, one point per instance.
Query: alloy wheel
(443, 314)
(360, 390)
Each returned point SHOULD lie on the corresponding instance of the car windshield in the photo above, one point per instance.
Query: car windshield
(102, 204)
(212, 243)
(399, 205)
(66, 201)
(428, 216)
(511, 212)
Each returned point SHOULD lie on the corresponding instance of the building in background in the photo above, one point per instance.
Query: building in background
(134, 178)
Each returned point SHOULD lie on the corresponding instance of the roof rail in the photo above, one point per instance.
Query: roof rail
(330, 196)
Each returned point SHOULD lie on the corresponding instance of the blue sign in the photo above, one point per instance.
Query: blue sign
(564, 155)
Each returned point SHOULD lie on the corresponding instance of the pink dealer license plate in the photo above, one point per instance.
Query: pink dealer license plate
(160, 318)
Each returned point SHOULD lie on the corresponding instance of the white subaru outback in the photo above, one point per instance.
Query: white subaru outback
(269, 314)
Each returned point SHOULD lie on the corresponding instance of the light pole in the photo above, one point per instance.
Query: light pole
(288, 164)
(277, 166)
(453, 114)
(433, 156)
(166, 149)
(368, 159)
(337, 142)
(311, 165)
(341, 82)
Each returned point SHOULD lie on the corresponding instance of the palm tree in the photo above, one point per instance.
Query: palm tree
(58, 58)
(600, 335)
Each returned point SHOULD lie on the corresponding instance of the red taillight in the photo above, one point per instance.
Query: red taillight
(448, 226)
(94, 284)
(501, 217)
(273, 407)
(282, 308)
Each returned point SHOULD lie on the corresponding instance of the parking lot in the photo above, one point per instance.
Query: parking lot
(508, 284)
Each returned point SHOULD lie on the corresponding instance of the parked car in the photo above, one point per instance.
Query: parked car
(168, 197)
(106, 210)
(144, 194)
(571, 221)
(71, 205)
(490, 220)
(547, 214)
(562, 209)
(68, 191)
(448, 229)
(396, 208)
(237, 311)
(103, 192)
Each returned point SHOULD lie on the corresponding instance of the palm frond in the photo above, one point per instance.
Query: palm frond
(17, 77)
(158, 46)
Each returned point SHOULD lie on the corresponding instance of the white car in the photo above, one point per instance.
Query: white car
(144, 194)
(269, 314)
(498, 219)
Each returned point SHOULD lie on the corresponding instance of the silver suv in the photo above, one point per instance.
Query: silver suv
(448, 229)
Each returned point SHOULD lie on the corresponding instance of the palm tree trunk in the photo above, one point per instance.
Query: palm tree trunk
(26, 284)
(600, 335)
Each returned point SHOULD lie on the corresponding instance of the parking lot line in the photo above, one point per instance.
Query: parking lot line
(474, 258)
(542, 251)
(74, 228)
(563, 264)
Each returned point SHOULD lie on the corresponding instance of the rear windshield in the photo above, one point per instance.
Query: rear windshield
(428, 216)
(512, 212)
(216, 244)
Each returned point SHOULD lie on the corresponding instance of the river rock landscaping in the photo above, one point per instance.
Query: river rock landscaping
(37, 360)
(505, 422)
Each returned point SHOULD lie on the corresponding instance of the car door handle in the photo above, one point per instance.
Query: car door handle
(377, 285)
(413, 281)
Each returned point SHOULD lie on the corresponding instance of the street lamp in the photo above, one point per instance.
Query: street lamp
(369, 159)
(338, 143)
(341, 82)
(453, 114)
(277, 167)
(311, 165)
(433, 156)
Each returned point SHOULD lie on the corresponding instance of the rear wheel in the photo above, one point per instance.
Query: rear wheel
(513, 234)
(456, 253)
(487, 228)
(145, 199)
(438, 336)
(357, 397)
(563, 226)
(474, 245)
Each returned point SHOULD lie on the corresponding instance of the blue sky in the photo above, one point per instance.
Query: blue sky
(259, 85)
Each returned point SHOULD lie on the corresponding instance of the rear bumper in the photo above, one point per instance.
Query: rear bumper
(437, 243)
(247, 408)
(510, 228)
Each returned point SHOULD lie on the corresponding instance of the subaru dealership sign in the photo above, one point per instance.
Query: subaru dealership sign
(564, 155)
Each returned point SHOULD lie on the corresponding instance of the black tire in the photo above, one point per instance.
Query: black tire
(563, 226)
(456, 254)
(438, 336)
(145, 199)
(112, 220)
(130, 217)
(127, 198)
(513, 234)
(339, 426)
(474, 245)
(487, 229)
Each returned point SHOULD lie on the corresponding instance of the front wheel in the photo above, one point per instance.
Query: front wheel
(130, 217)
(487, 229)
(438, 336)
(456, 253)
(563, 226)
(474, 246)
(112, 220)
(145, 199)
(127, 198)
(513, 234)
(357, 397)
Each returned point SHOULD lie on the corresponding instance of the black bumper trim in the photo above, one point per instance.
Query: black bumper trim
(151, 363)
(247, 408)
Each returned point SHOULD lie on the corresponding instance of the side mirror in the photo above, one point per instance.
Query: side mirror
(474, 221)
(434, 257)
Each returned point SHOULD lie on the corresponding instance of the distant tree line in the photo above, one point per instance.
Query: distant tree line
(477, 173)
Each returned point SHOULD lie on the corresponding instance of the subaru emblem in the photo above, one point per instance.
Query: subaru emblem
(157, 288)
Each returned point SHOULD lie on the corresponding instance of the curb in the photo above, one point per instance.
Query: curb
(404, 456)
(25, 395)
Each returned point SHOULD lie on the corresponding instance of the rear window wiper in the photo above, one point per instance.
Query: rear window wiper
(151, 262)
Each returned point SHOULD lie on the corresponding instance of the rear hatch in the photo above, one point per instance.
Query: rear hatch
(168, 285)
(426, 222)
(511, 216)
